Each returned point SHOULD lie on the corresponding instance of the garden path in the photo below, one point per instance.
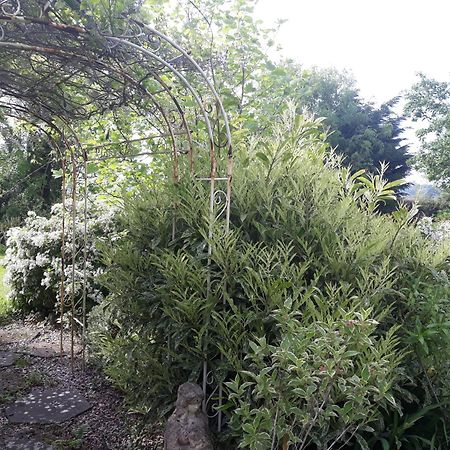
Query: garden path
(44, 406)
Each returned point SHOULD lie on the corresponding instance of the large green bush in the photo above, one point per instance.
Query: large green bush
(318, 312)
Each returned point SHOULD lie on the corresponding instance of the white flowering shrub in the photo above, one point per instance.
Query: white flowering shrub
(33, 257)
(438, 231)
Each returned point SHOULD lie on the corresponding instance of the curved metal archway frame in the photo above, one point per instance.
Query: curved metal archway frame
(128, 61)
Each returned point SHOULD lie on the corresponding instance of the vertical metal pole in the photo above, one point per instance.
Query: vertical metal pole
(83, 331)
(219, 416)
(74, 252)
(175, 177)
(204, 385)
(227, 229)
(212, 182)
(63, 245)
(229, 185)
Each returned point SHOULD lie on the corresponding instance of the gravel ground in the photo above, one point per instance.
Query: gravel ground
(106, 426)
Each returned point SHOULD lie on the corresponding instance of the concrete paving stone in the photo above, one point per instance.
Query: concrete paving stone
(49, 406)
(42, 349)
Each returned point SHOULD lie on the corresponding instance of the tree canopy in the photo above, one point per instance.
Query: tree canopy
(428, 104)
(255, 82)
(231, 46)
(26, 175)
(366, 135)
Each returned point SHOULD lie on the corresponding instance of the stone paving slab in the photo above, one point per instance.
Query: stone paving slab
(7, 359)
(48, 349)
(42, 349)
(49, 406)
(16, 335)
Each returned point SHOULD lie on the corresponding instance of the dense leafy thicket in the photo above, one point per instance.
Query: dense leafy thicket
(33, 257)
(327, 322)
(26, 181)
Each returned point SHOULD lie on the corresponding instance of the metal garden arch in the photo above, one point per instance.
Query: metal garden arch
(48, 58)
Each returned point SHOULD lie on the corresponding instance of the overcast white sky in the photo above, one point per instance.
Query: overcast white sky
(382, 42)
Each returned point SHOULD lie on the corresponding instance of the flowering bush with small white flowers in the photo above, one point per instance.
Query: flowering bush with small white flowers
(34, 263)
(438, 231)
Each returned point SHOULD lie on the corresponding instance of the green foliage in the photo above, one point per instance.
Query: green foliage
(298, 311)
(5, 305)
(408, 431)
(107, 14)
(26, 182)
(76, 442)
(322, 383)
(234, 48)
(366, 135)
(428, 104)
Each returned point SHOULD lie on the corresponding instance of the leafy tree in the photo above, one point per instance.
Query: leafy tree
(428, 103)
(26, 181)
(366, 135)
(233, 48)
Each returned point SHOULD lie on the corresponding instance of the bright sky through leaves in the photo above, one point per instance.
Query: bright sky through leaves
(383, 43)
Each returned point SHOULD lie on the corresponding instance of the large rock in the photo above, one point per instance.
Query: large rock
(187, 427)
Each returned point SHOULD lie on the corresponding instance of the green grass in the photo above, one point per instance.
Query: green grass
(5, 305)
